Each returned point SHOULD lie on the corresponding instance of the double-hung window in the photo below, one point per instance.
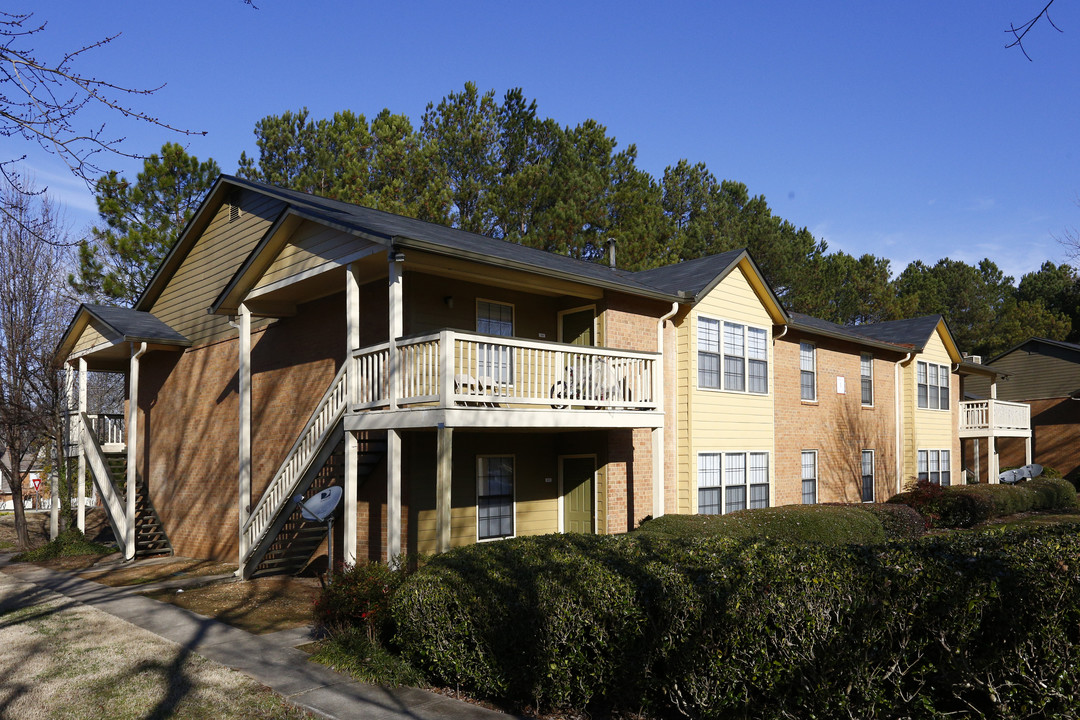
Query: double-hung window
(868, 476)
(809, 477)
(807, 371)
(866, 375)
(494, 497)
(728, 482)
(932, 381)
(732, 356)
(935, 466)
(494, 364)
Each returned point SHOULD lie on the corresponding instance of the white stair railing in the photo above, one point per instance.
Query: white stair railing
(115, 509)
(279, 492)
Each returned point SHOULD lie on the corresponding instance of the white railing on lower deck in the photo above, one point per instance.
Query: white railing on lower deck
(292, 470)
(108, 428)
(457, 368)
(994, 415)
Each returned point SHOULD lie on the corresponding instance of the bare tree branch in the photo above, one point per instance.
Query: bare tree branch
(1019, 32)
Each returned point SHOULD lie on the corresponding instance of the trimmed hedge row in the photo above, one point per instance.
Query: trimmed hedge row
(834, 524)
(713, 627)
(968, 505)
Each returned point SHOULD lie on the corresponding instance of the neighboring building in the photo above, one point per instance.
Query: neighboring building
(1044, 376)
(464, 389)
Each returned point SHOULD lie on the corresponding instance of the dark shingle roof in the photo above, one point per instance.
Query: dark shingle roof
(914, 332)
(136, 324)
(851, 332)
(391, 226)
(691, 276)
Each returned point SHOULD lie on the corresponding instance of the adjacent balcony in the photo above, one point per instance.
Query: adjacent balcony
(476, 373)
(108, 428)
(994, 418)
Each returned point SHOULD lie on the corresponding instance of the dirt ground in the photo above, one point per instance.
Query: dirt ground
(115, 574)
(37, 527)
(261, 605)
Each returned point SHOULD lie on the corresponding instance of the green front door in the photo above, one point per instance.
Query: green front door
(577, 327)
(577, 488)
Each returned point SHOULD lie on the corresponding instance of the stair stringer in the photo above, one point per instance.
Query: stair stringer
(115, 510)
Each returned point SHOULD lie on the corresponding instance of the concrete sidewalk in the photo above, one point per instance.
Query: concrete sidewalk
(272, 659)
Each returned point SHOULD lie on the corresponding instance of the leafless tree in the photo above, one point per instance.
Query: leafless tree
(34, 311)
(1019, 32)
(46, 101)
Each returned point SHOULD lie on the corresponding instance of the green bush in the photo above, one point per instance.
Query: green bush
(967, 505)
(359, 597)
(899, 522)
(955, 625)
(832, 524)
(68, 543)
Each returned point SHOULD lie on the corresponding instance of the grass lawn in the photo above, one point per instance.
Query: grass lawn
(1035, 518)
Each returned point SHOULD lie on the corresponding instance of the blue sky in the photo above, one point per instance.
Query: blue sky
(906, 130)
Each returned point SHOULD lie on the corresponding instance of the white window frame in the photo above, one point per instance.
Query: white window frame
(747, 358)
(480, 459)
(740, 463)
(930, 464)
(866, 380)
(863, 476)
(813, 455)
(494, 361)
(713, 480)
(926, 371)
(804, 345)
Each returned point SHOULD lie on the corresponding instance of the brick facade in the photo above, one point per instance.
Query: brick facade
(836, 425)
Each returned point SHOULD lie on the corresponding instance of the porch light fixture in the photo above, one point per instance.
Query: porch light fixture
(449, 300)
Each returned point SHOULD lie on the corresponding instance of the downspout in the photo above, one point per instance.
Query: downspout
(132, 448)
(659, 464)
(899, 424)
(777, 337)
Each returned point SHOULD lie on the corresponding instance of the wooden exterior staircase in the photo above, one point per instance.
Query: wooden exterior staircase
(150, 537)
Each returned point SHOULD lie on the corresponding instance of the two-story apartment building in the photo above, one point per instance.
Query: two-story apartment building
(463, 389)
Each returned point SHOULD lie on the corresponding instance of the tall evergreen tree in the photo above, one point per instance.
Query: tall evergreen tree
(141, 221)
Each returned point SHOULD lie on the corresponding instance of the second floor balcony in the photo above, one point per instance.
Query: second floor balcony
(994, 418)
(453, 369)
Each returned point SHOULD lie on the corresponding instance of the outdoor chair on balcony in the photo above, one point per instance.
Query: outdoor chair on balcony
(594, 383)
(481, 388)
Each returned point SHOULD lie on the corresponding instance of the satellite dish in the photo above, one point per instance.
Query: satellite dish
(319, 507)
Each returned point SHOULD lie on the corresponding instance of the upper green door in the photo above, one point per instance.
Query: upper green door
(577, 487)
(577, 327)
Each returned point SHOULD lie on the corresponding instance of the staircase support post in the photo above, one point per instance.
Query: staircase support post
(243, 499)
(396, 325)
(348, 551)
(444, 469)
(393, 495)
(132, 447)
(81, 477)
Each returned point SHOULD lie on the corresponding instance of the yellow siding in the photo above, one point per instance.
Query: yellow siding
(720, 420)
(926, 429)
(311, 246)
(209, 266)
(90, 337)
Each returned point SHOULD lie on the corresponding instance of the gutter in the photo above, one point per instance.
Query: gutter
(899, 400)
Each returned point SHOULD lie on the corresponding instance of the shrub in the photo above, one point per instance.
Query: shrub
(900, 522)
(966, 505)
(831, 524)
(359, 597)
(1051, 493)
(981, 625)
(68, 543)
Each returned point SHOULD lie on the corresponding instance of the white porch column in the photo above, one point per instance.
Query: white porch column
(1027, 449)
(348, 552)
(658, 471)
(243, 499)
(352, 320)
(81, 477)
(393, 495)
(132, 447)
(443, 473)
(396, 324)
(992, 460)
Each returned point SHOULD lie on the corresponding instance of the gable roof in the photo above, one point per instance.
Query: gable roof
(913, 333)
(852, 333)
(118, 325)
(1066, 346)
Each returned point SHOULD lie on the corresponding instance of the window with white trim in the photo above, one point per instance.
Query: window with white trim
(935, 466)
(732, 356)
(809, 477)
(494, 496)
(709, 490)
(868, 476)
(807, 371)
(932, 381)
(728, 482)
(494, 363)
(866, 376)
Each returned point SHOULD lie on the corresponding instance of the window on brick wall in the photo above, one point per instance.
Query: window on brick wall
(868, 476)
(809, 477)
(866, 376)
(807, 371)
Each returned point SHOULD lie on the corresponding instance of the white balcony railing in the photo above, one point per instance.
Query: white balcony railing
(108, 429)
(452, 368)
(994, 417)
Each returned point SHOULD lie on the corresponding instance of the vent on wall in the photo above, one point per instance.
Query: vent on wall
(233, 202)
